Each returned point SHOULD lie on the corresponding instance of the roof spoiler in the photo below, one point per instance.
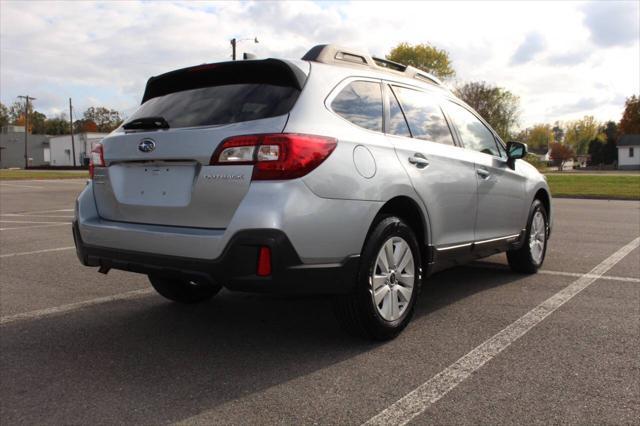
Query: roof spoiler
(337, 55)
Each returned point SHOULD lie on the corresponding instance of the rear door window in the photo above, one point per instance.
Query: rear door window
(360, 102)
(424, 116)
(474, 134)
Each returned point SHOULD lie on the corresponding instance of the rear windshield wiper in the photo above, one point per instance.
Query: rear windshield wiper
(147, 123)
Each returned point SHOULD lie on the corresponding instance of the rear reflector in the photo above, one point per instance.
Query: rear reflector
(275, 156)
(264, 262)
(96, 159)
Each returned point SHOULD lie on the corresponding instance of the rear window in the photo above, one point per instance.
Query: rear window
(360, 103)
(218, 94)
(226, 104)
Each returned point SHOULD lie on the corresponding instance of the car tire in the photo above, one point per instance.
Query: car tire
(388, 283)
(529, 257)
(183, 290)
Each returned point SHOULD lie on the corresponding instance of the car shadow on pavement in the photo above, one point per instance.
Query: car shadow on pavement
(447, 287)
(150, 361)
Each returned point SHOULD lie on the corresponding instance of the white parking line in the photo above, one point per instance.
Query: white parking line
(73, 306)
(26, 221)
(76, 181)
(34, 215)
(559, 273)
(420, 399)
(577, 274)
(13, 185)
(43, 211)
(36, 226)
(26, 253)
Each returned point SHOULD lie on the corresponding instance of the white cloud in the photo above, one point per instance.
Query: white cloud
(533, 44)
(613, 23)
(104, 52)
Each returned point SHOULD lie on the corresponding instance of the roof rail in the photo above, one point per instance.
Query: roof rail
(336, 55)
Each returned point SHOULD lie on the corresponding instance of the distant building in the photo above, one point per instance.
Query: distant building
(62, 152)
(13, 129)
(581, 160)
(629, 152)
(12, 148)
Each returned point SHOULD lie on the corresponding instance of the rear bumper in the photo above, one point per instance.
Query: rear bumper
(236, 267)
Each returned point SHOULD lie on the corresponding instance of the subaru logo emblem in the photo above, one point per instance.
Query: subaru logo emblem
(147, 145)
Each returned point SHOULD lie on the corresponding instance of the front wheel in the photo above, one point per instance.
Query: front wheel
(184, 290)
(388, 283)
(528, 258)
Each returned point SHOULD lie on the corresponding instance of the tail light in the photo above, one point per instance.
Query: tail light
(275, 156)
(96, 159)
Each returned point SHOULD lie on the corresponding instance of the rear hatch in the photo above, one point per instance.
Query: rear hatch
(157, 163)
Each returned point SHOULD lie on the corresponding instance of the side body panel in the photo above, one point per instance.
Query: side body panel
(447, 186)
(364, 165)
(501, 198)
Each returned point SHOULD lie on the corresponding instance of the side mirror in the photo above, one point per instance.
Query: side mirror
(515, 150)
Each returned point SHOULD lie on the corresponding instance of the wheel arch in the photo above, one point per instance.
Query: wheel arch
(545, 198)
(410, 211)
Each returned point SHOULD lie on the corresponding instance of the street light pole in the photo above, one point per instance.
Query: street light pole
(233, 48)
(26, 98)
(234, 43)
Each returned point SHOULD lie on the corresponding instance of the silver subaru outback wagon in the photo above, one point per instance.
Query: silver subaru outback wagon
(337, 174)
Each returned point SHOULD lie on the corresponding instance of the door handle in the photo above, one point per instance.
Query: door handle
(483, 173)
(419, 161)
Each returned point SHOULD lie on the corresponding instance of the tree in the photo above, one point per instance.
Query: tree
(596, 152)
(539, 137)
(4, 115)
(495, 104)
(85, 125)
(57, 125)
(560, 154)
(580, 133)
(37, 123)
(630, 122)
(558, 132)
(16, 111)
(424, 57)
(610, 150)
(105, 119)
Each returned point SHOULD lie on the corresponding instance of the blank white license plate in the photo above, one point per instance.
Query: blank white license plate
(159, 185)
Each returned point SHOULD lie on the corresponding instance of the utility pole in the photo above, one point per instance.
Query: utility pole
(73, 144)
(26, 98)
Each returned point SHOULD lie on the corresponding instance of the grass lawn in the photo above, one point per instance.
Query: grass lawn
(619, 187)
(42, 174)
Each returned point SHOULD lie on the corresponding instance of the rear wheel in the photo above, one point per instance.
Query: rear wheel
(184, 290)
(529, 257)
(387, 286)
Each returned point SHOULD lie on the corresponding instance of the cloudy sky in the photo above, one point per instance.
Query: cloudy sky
(563, 59)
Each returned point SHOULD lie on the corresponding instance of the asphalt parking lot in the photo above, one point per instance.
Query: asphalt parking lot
(486, 345)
